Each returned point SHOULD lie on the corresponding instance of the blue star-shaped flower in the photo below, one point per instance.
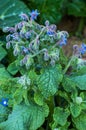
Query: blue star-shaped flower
(83, 49)
(34, 14)
(4, 102)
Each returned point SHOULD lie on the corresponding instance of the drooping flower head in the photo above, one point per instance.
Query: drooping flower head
(24, 17)
(4, 102)
(34, 14)
(63, 40)
(51, 30)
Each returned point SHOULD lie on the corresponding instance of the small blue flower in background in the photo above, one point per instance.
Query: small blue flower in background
(63, 40)
(4, 102)
(34, 14)
(83, 49)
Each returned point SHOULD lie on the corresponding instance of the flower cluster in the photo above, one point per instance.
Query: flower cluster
(29, 39)
(83, 48)
(79, 50)
(24, 81)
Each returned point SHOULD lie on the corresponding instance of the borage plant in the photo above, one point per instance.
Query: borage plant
(44, 90)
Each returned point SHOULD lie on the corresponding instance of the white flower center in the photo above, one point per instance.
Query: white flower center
(4, 102)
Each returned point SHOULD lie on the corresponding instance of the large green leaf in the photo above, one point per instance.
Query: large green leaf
(13, 68)
(60, 117)
(80, 122)
(3, 113)
(10, 10)
(75, 109)
(49, 80)
(80, 81)
(2, 52)
(4, 73)
(68, 84)
(25, 117)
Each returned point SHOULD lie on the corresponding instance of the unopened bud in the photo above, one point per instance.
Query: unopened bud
(46, 56)
(47, 23)
(79, 100)
(52, 62)
(8, 45)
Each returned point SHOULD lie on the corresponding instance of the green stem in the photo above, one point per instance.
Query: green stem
(68, 65)
(38, 52)
(38, 35)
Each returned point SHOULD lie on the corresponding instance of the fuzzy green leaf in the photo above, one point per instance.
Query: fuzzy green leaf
(68, 84)
(80, 81)
(13, 68)
(75, 109)
(3, 113)
(2, 53)
(4, 73)
(24, 117)
(10, 10)
(80, 122)
(60, 116)
(49, 80)
(38, 98)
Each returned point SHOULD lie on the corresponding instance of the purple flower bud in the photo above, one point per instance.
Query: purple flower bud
(22, 34)
(76, 51)
(6, 29)
(11, 29)
(25, 59)
(38, 27)
(65, 33)
(15, 36)
(50, 32)
(75, 47)
(24, 17)
(16, 50)
(30, 46)
(34, 14)
(8, 38)
(27, 35)
(24, 50)
(63, 41)
(16, 27)
(47, 23)
(46, 56)
(53, 27)
(20, 25)
(8, 45)
(52, 62)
